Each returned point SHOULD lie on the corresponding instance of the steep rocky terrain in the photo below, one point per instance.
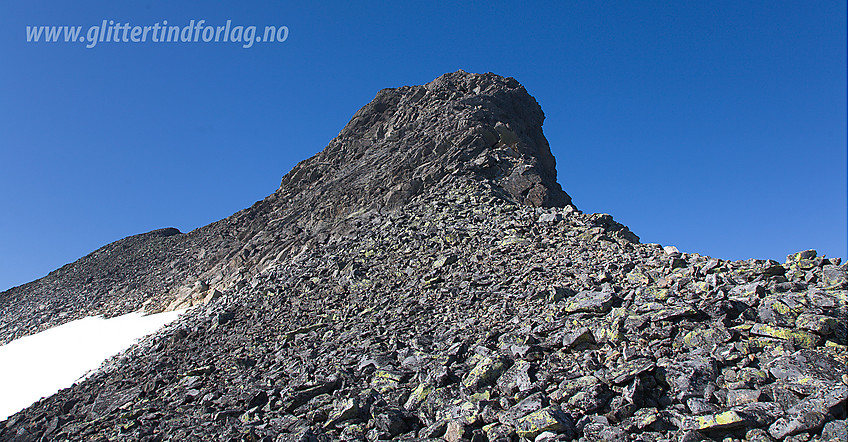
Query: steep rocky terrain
(424, 277)
(402, 143)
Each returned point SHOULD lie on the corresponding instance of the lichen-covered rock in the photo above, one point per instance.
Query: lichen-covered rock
(577, 338)
(343, 410)
(820, 324)
(808, 371)
(811, 413)
(627, 370)
(722, 421)
(548, 419)
(571, 387)
(756, 414)
(798, 338)
(485, 372)
(689, 375)
(516, 379)
(589, 301)
(418, 396)
(835, 276)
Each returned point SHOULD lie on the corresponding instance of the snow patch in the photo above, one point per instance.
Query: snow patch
(39, 365)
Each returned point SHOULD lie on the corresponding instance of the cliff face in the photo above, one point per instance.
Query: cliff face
(408, 139)
(424, 277)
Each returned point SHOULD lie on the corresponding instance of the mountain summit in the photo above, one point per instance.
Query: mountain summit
(425, 277)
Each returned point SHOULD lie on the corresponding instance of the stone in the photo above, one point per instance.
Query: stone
(499, 432)
(701, 406)
(457, 431)
(531, 403)
(548, 419)
(741, 397)
(721, 421)
(692, 436)
(418, 396)
(343, 410)
(690, 375)
(810, 413)
(671, 250)
(644, 419)
(108, 402)
(707, 338)
(390, 423)
(590, 302)
(798, 338)
(638, 277)
(807, 371)
(672, 313)
(435, 430)
(802, 255)
(835, 276)
(748, 294)
(745, 378)
(820, 324)
(485, 372)
(258, 399)
(305, 393)
(549, 218)
(834, 431)
(774, 269)
(581, 337)
(570, 387)
(515, 379)
(758, 435)
(225, 317)
(546, 436)
(757, 414)
(385, 380)
(628, 370)
(589, 399)
(444, 261)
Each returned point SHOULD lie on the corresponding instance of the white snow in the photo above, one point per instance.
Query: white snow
(39, 365)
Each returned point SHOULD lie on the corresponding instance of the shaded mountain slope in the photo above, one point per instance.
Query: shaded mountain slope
(118, 278)
(426, 278)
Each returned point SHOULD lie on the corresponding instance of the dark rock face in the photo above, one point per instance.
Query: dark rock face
(408, 139)
(425, 278)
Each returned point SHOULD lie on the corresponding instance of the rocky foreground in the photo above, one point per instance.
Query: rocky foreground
(425, 278)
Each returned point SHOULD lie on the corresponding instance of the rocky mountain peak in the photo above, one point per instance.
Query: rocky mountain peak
(409, 139)
(407, 142)
(424, 277)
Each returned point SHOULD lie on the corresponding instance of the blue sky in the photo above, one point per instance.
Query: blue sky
(719, 127)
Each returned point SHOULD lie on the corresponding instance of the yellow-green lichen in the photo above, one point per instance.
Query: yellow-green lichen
(798, 337)
(547, 419)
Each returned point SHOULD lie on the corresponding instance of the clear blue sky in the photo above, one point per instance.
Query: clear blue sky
(718, 127)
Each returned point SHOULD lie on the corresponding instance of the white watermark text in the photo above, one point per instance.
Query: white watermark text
(111, 31)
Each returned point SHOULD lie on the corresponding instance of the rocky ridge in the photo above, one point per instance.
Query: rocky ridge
(402, 143)
(455, 293)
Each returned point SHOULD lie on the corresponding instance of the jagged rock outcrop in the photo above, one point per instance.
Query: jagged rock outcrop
(425, 278)
(408, 139)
